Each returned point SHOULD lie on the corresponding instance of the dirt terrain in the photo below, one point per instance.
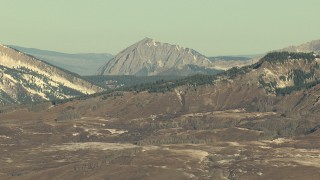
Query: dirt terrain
(130, 137)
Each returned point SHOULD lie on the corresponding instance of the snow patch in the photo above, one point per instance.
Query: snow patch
(8, 160)
(280, 140)
(160, 63)
(90, 145)
(178, 92)
(38, 133)
(116, 131)
(198, 154)
(5, 137)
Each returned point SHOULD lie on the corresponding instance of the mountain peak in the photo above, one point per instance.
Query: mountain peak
(147, 39)
(151, 57)
(148, 42)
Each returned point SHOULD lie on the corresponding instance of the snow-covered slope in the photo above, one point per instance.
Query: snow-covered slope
(24, 79)
(149, 57)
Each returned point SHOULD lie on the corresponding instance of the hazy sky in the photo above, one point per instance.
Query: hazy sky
(212, 27)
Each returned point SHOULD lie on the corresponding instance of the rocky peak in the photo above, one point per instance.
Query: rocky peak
(148, 41)
(150, 57)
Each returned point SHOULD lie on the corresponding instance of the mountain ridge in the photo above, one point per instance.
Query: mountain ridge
(25, 78)
(311, 46)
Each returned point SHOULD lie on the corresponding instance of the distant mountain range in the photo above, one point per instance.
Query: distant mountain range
(149, 57)
(227, 62)
(82, 63)
(25, 79)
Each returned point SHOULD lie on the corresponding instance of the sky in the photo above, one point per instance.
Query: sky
(212, 27)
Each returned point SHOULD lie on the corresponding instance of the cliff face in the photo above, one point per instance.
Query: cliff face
(27, 79)
(149, 57)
